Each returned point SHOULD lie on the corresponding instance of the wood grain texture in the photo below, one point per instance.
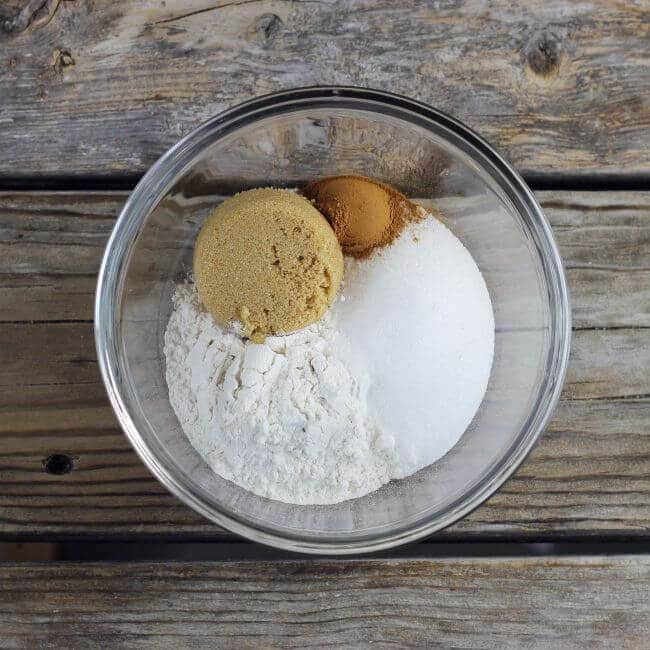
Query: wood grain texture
(104, 87)
(589, 475)
(509, 603)
(51, 246)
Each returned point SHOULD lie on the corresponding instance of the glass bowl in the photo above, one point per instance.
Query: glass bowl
(287, 139)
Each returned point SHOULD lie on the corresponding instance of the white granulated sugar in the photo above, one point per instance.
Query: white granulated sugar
(284, 419)
(418, 312)
(385, 384)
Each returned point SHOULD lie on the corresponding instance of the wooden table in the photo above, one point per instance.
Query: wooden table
(91, 93)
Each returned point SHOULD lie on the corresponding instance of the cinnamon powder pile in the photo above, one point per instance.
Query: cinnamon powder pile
(364, 213)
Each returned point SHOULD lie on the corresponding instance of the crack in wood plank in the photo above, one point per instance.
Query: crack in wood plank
(189, 14)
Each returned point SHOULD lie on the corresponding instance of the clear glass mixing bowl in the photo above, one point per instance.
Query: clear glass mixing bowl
(287, 139)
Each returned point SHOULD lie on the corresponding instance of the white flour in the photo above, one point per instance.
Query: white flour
(303, 420)
(285, 419)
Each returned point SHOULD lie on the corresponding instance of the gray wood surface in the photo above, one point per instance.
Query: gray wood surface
(509, 603)
(588, 476)
(104, 87)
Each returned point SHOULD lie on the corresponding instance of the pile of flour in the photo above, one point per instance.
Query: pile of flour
(384, 385)
(285, 419)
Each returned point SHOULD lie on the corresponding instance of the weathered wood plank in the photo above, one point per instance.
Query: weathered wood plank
(604, 363)
(604, 239)
(510, 603)
(51, 246)
(105, 88)
(587, 476)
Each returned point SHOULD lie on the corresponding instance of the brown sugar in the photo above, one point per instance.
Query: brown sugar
(268, 259)
(364, 213)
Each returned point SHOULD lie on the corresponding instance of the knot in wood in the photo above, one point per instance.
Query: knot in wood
(61, 59)
(266, 27)
(58, 464)
(543, 54)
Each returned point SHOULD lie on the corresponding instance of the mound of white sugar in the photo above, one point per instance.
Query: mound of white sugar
(419, 315)
(385, 384)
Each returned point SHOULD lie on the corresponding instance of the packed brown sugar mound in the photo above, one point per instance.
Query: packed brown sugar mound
(268, 259)
(364, 213)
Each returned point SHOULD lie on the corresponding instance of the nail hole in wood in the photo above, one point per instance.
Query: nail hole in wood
(58, 464)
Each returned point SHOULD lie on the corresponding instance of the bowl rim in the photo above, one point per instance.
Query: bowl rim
(159, 179)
